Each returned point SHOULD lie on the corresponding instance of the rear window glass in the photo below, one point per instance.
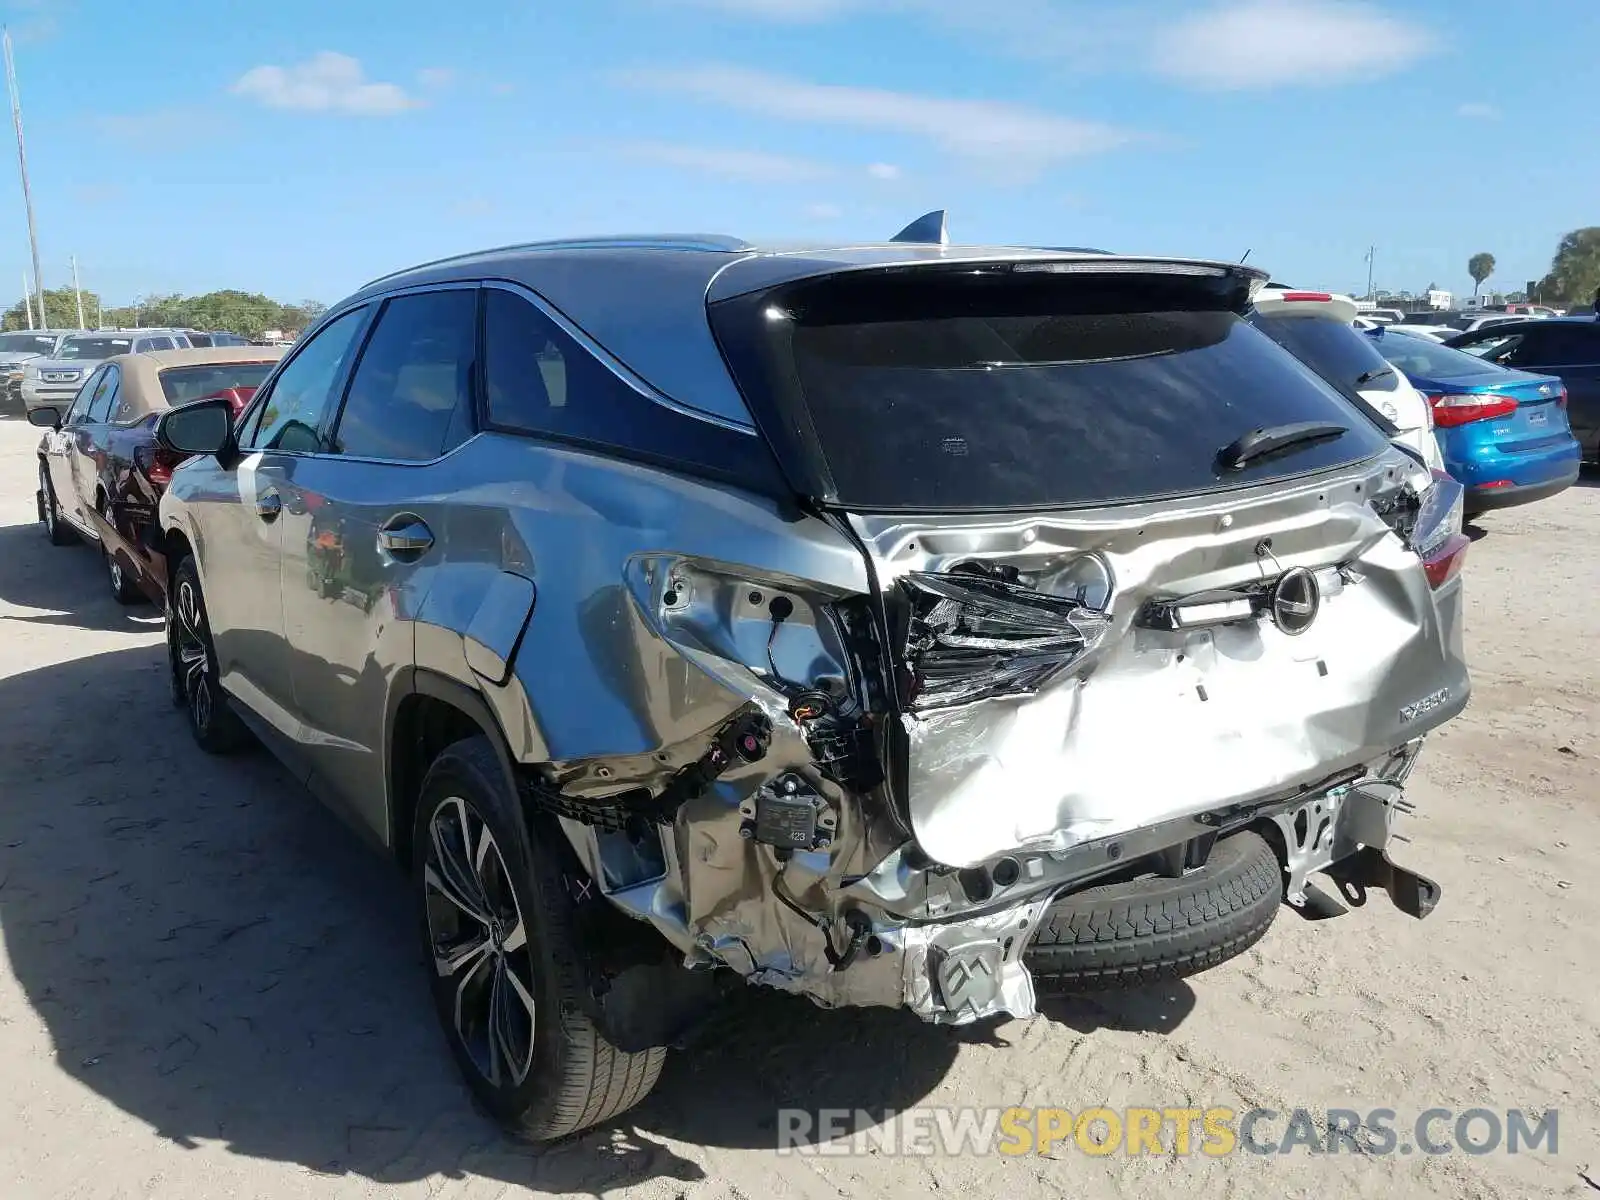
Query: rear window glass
(1336, 351)
(183, 384)
(984, 390)
(1423, 359)
(95, 347)
(25, 343)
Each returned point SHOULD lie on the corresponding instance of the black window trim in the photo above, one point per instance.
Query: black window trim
(264, 392)
(476, 404)
(611, 363)
(621, 371)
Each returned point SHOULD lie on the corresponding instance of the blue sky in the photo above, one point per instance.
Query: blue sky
(313, 144)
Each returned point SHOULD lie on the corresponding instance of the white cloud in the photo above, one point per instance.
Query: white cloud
(887, 172)
(436, 77)
(1480, 112)
(1271, 43)
(326, 82)
(824, 212)
(750, 166)
(1023, 138)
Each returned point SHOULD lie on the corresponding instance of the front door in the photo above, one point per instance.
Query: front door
(363, 523)
(243, 528)
(89, 443)
(61, 451)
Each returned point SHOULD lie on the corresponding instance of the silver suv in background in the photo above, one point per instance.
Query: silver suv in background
(55, 380)
(19, 348)
(894, 625)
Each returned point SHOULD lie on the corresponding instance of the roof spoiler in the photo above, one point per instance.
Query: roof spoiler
(927, 230)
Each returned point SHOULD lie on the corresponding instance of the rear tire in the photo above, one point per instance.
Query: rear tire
(123, 589)
(504, 958)
(193, 660)
(1145, 931)
(54, 528)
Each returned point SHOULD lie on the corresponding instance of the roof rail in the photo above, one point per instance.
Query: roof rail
(709, 242)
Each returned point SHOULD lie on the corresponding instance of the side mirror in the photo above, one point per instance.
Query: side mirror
(45, 418)
(204, 427)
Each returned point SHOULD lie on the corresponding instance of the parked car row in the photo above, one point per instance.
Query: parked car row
(901, 625)
(1509, 407)
(65, 356)
(102, 471)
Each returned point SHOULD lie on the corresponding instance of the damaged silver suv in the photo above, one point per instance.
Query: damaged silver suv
(901, 624)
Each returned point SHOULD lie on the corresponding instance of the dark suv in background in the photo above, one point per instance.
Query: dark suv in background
(893, 625)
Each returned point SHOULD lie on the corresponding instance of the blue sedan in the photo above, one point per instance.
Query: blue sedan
(1504, 434)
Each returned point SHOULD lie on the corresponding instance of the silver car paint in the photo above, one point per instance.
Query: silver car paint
(614, 617)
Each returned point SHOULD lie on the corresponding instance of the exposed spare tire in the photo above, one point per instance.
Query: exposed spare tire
(1142, 931)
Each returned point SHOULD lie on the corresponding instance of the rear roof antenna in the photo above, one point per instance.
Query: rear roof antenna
(927, 230)
(1245, 255)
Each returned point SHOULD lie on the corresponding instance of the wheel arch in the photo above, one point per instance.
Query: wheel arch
(428, 711)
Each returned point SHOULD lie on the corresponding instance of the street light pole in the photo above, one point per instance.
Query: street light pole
(22, 162)
(27, 297)
(77, 291)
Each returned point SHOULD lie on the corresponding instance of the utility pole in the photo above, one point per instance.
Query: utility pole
(27, 298)
(22, 163)
(77, 291)
(1372, 252)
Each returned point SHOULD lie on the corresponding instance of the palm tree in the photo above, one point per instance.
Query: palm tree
(1480, 266)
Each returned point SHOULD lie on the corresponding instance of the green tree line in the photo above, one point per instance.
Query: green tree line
(246, 313)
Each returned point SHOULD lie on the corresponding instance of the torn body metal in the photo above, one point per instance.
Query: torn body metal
(870, 795)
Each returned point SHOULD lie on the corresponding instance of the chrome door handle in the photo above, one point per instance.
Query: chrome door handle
(405, 537)
(268, 505)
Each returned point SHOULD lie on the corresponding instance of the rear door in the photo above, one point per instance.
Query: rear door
(361, 520)
(1570, 350)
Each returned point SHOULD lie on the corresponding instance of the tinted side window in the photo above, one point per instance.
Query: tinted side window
(1560, 346)
(86, 394)
(411, 396)
(541, 381)
(104, 396)
(291, 416)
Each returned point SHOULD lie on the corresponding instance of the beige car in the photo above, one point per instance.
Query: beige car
(101, 473)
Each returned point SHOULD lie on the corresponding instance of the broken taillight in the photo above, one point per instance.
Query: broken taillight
(974, 637)
(1437, 536)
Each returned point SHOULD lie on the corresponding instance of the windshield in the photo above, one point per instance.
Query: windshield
(94, 347)
(183, 384)
(1423, 359)
(1336, 351)
(26, 343)
(926, 390)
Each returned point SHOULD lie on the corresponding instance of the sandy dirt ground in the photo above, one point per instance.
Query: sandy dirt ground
(209, 988)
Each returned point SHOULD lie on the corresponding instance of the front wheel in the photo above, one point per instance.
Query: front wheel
(193, 661)
(504, 957)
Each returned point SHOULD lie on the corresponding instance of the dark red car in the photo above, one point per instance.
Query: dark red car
(101, 473)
